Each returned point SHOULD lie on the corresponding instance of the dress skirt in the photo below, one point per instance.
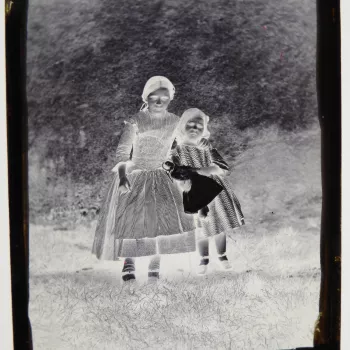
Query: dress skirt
(139, 222)
(225, 213)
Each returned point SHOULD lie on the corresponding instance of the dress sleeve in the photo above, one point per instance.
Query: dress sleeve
(173, 155)
(217, 159)
(125, 146)
(174, 144)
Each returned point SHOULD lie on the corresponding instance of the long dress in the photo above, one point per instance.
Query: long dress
(141, 221)
(225, 211)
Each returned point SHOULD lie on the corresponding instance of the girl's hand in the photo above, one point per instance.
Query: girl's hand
(203, 143)
(205, 171)
(199, 172)
(211, 170)
(124, 185)
(203, 213)
(185, 186)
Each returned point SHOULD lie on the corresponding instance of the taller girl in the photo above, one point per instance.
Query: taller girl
(142, 203)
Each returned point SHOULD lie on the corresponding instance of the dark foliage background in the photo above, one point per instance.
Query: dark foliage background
(248, 64)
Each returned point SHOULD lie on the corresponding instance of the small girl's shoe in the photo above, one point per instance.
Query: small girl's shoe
(153, 276)
(203, 266)
(225, 264)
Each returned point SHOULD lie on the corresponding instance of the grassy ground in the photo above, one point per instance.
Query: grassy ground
(278, 179)
(268, 301)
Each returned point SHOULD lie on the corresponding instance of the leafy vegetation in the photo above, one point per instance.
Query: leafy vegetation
(247, 64)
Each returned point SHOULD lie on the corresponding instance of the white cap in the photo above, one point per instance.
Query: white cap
(156, 83)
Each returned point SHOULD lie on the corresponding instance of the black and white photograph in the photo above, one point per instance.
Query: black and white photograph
(174, 173)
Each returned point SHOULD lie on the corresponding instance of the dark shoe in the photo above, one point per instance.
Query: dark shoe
(129, 265)
(153, 274)
(128, 270)
(128, 277)
(203, 267)
(225, 264)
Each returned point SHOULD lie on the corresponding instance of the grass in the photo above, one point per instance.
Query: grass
(278, 178)
(269, 301)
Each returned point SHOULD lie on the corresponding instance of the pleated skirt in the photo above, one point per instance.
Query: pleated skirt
(141, 221)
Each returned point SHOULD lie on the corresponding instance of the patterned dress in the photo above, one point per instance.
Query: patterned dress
(225, 211)
(138, 223)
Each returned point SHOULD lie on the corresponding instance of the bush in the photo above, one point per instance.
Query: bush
(247, 64)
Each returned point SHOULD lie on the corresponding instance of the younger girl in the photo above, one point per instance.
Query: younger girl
(225, 211)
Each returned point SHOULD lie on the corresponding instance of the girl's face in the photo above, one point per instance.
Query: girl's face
(158, 101)
(194, 129)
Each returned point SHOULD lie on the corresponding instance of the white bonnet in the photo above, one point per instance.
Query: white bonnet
(186, 116)
(155, 83)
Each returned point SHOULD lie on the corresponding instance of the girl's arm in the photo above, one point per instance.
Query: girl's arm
(173, 155)
(122, 170)
(123, 154)
(217, 167)
(125, 145)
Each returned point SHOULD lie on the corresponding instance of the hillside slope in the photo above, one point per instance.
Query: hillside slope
(278, 180)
